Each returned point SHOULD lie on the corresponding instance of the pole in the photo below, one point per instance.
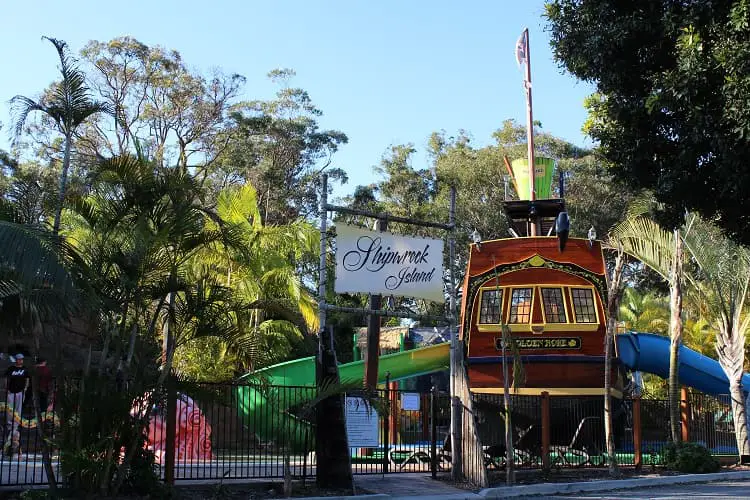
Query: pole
(373, 332)
(545, 430)
(530, 129)
(455, 356)
(685, 414)
(637, 434)
(322, 269)
(433, 432)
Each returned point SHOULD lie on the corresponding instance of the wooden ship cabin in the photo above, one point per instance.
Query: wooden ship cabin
(551, 293)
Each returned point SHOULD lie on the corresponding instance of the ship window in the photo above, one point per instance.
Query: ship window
(583, 305)
(520, 305)
(554, 305)
(489, 310)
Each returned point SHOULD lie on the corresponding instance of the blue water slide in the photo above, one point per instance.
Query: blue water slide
(648, 352)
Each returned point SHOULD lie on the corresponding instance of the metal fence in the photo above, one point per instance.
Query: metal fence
(244, 431)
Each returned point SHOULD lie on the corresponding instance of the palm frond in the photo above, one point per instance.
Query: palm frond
(21, 108)
(645, 240)
(34, 259)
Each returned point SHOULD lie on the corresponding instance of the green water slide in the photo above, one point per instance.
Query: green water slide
(264, 406)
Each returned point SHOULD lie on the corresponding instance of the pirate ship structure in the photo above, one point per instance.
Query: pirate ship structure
(550, 290)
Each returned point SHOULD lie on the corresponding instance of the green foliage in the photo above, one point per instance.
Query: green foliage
(670, 111)
(644, 312)
(691, 458)
(95, 413)
(279, 148)
(206, 360)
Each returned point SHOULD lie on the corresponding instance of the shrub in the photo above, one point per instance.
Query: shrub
(690, 458)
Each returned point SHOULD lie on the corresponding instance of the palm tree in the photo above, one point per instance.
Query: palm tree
(69, 105)
(614, 296)
(39, 282)
(273, 305)
(724, 270)
(662, 251)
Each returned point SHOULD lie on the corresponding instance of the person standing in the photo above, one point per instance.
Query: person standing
(44, 375)
(16, 383)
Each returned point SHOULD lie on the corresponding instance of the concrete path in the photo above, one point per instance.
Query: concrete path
(407, 485)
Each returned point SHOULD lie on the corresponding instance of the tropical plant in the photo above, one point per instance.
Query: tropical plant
(643, 312)
(40, 282)
(614, 296)
(700, 336)
(724, 271)
(660, 250)
(69, 105)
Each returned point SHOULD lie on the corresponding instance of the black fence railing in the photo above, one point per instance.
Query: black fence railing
(225, 431)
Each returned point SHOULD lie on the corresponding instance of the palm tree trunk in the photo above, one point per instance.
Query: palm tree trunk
(613, 305)
(730, 346)
(63, 184)
(739, 416)
(44, 443)
(675, 335)
(509, 448)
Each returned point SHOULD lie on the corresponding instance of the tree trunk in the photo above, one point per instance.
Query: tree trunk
(46, 456)
(739, 416)
(509, 447)
(675, 335)
(613, 304)
(63, 184)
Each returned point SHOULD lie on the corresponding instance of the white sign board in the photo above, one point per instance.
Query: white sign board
(388, 264)
(410, 401)
(361, 424)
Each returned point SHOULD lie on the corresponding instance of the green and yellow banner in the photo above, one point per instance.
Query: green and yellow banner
(543, 170)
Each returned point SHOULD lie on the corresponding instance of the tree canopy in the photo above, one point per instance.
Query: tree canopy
(670, 112)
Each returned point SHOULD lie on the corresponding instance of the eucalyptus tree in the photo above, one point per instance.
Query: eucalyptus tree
(69, 105)
(279, 147)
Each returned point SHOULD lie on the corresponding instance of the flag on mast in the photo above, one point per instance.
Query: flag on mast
(522, 48)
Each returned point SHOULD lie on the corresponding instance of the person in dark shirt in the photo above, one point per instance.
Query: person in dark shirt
(16, 382)
(45, 383)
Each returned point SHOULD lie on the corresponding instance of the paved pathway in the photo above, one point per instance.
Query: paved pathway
(406, 484)
(713, 491)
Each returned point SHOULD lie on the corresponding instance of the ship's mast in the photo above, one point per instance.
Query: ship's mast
(530, 128)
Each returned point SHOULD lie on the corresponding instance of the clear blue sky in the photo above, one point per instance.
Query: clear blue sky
(383, 72)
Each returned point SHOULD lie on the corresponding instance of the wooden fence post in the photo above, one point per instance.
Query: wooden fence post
(433, 432)
(545, 430)
(637, 434)
(685, 414)
(395, 412)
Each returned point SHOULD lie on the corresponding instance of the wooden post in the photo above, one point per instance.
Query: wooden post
(685, 414)
(373, 332)
(637, 434)
(394, 416)
(433, 432)
(457, 373)
(425, 417)
(387, 425)
(545, 430)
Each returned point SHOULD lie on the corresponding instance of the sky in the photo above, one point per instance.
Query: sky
(383, 72)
